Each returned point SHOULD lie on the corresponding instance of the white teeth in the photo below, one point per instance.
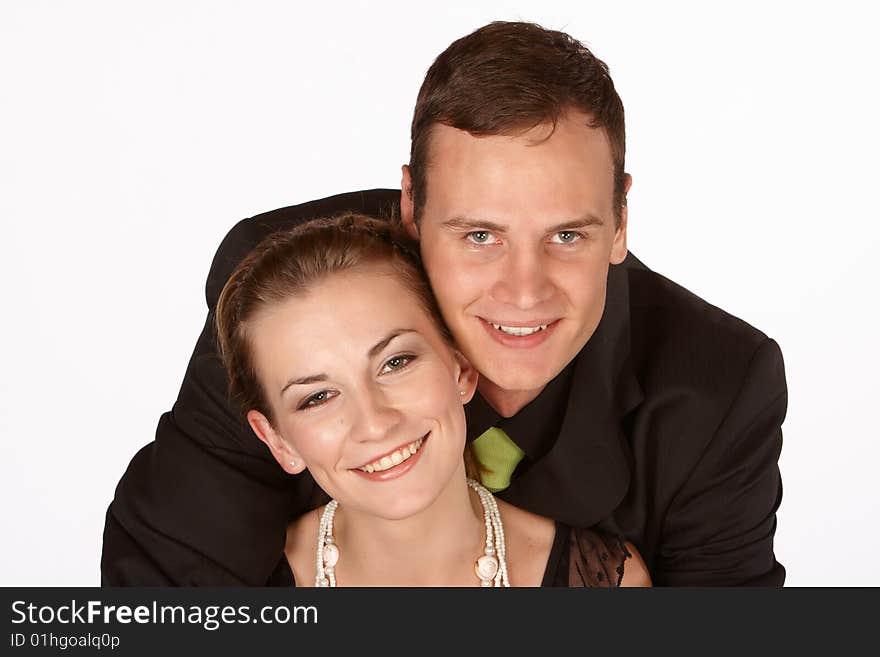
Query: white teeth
(520, 330)
(395, 458)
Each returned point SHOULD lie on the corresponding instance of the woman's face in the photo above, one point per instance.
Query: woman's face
(364, 390)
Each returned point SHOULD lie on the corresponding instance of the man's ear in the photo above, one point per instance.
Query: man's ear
(618, 247)
(288, 458)
(407, 209)
(467, 377)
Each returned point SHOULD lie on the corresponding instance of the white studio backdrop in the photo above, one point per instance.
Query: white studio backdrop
(134, 135)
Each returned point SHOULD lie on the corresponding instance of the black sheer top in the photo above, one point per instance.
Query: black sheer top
(585, 557)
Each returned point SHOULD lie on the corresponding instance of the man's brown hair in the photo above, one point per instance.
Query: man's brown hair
(506, 78)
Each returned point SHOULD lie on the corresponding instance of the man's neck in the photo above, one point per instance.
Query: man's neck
(506, 403)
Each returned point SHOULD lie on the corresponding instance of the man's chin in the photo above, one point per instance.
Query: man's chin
(517, 384)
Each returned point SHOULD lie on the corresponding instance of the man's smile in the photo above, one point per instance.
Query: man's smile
(520, 334)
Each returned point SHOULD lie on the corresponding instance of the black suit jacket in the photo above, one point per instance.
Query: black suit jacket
(671, 436)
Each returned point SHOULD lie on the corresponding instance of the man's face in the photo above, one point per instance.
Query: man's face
(517, 234)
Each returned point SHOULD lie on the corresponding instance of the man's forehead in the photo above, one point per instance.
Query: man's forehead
(528, 133)
(495, 182)
(570, 152)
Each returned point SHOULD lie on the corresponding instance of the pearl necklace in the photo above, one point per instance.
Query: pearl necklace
(490, 567)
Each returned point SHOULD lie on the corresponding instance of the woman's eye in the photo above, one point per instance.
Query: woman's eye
(316, 399)
(566, 237)
(397, 363)
(479, 236)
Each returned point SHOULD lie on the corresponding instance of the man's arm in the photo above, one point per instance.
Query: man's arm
(202, 504)
(205, 503)
(719, 527)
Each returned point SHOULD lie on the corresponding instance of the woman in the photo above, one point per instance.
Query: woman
(335, 348)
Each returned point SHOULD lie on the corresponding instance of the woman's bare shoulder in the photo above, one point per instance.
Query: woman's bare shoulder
(539, 530)
(635, 572)
(299, 546)
(529, 538)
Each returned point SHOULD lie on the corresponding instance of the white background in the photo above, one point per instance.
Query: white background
(134, 135)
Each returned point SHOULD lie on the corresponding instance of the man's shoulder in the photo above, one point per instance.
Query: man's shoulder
(705, 433)
(247, 233)
(681, 340)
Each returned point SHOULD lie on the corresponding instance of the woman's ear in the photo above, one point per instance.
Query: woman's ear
(467, 377)
(288, 458)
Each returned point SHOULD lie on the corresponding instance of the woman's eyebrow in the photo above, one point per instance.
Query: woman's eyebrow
(374, 350)
(304, 380)
(384, 342)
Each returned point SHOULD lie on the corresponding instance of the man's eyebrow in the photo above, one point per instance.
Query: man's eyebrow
(470, 223)
(375, 349)
(584, 222)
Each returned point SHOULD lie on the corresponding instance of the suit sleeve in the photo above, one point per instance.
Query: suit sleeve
(204, 503)
(720, 526)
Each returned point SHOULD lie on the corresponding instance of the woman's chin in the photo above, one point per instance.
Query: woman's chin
(405, 502)
(405, 499)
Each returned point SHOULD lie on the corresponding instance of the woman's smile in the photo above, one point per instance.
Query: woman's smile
(388, 469)
(393, 458)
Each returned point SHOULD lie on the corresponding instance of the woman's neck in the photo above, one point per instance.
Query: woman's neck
(435, 547)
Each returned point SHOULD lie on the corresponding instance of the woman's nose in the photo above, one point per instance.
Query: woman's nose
(377, 416)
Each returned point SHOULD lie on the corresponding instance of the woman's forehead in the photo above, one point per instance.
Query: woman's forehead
(355, 307)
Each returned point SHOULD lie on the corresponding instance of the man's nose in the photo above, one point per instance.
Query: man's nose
(377, 415)
(523, 280)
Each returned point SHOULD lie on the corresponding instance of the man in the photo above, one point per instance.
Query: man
(621, 399)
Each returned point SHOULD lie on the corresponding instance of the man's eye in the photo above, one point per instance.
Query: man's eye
(479, 236)
(397, 363)
(316, 399)
(566, 237)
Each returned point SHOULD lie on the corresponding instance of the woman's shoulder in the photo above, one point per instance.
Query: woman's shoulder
(529, 538)
(601, 559)
(635, 571)
(299, 546)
